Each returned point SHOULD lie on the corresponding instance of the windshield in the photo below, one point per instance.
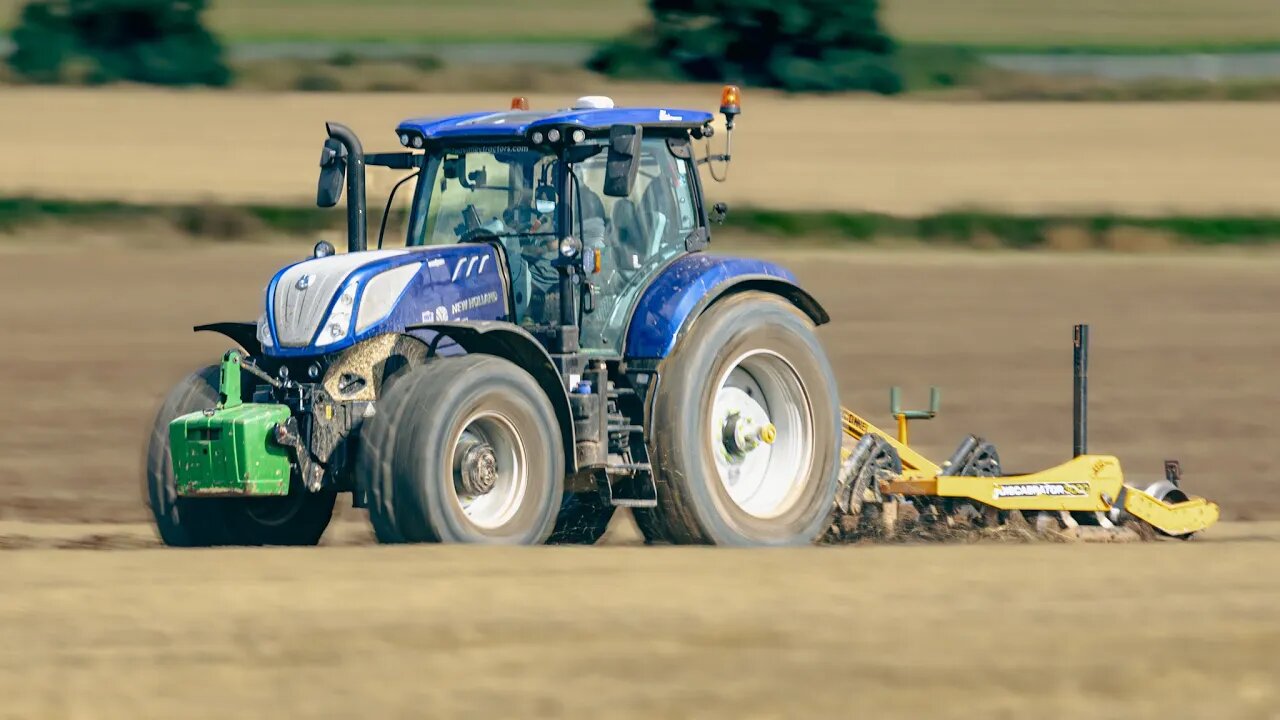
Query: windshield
(469, 193)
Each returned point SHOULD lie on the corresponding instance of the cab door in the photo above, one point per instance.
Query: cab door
(634, 237)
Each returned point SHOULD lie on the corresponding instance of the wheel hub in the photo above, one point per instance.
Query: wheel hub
(741, 435)
(761, 433)
(477, 469)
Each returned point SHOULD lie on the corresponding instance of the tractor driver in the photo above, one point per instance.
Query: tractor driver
(530, 240)
(537, 247)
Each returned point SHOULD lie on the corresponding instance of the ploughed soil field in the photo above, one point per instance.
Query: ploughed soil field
(790, 152)
(1183, 366)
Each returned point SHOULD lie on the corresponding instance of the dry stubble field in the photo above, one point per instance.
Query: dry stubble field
(836, 153)
(95, 334)
(986, 632)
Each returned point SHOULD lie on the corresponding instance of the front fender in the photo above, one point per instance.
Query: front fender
(245, 334)
(688, 286)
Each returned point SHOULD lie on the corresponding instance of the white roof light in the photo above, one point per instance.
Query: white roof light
(593, 102)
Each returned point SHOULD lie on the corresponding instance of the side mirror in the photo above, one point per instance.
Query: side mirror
(718, 212)
(333, 171)
(624, 160)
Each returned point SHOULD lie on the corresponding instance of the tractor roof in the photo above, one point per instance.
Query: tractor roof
(516, 123)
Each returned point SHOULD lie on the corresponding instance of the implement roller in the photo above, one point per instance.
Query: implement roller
(885, 485)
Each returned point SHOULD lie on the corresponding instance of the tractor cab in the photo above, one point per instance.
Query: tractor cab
(583, 206)
(552, 203)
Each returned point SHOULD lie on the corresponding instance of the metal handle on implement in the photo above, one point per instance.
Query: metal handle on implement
(903, 416)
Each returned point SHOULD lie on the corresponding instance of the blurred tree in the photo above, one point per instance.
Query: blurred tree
(98, 41)
(799, 45)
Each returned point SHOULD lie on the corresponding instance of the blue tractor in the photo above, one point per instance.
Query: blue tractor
(551, 342)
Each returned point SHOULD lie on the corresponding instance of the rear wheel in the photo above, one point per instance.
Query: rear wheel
(463, 449)
(744, 430)
(299, 518)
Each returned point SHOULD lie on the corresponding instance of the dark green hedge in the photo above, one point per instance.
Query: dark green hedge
(99, 41)
(798, 45)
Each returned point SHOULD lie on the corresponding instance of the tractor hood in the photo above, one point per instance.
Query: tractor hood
(326, 304)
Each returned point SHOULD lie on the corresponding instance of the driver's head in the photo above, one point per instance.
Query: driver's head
(534, 213)
(544, 200)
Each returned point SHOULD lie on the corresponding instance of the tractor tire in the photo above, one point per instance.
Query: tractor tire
(584, 517)
(463, 449)
(751, 360)
(297, 519)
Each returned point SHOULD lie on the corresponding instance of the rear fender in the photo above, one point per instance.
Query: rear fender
(511, 342)
(683, 291)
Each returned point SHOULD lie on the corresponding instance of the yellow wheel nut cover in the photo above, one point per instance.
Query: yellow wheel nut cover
(768, 434)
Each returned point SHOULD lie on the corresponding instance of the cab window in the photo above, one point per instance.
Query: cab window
(636, 236)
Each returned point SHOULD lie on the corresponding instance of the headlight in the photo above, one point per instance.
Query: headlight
(381, 294)
(578, 136)
(553, 135)
(264, 332)
(338, 325)
(537, 137)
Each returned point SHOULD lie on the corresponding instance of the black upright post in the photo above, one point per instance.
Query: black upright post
(1080, 396)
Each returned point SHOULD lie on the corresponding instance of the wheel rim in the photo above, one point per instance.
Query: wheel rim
(489, 469)
(761, 433)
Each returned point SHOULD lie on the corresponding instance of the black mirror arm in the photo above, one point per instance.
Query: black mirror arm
(395, 161)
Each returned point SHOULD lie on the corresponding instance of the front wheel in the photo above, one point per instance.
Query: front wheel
(299, 518)
(463, 449)
(744, 432)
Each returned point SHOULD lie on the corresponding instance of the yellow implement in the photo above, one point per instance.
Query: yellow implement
(1090, 487)
(1088, 484)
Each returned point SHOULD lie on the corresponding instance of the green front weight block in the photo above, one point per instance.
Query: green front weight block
(230, 449)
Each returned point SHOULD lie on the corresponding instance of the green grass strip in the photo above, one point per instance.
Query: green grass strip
(1087, 48)
(978, 227)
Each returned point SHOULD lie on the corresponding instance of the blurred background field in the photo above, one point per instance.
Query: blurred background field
(996, 23)
(792, 154)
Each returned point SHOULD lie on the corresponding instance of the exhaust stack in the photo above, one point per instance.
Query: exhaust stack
(357, 218)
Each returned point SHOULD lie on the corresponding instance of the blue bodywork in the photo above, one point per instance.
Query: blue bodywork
(518, 123)
(454, 277)
(455, 282)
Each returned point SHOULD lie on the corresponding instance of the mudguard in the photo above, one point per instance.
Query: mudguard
(244, 334)
(690, 284)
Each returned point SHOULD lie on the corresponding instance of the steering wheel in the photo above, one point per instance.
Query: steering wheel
(476, 234)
